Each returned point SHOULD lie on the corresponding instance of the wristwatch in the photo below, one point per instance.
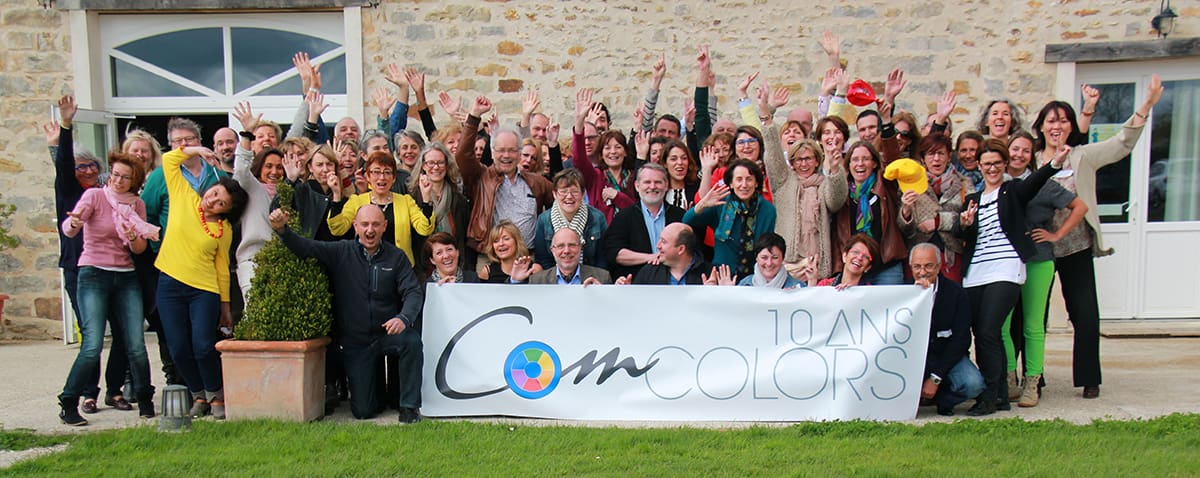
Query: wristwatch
(936, 379)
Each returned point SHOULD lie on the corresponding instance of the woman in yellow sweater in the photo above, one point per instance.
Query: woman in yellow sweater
(193, 289)
(402, 212)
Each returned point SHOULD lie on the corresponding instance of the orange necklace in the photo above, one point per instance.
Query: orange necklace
(204, 224)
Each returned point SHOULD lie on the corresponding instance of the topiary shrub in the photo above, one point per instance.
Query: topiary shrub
(289, 296)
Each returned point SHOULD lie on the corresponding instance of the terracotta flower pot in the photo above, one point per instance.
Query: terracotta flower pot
(283, 380)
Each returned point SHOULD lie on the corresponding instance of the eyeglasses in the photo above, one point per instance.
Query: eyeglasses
(87, 166)
(573, 245)
(569, 192)
(905, 134)
(435, 164)
(991, 165)
(184, 139)
(746, 141)
(121, 177)
(381, 172)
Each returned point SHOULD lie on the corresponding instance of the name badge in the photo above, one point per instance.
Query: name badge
(942, 334)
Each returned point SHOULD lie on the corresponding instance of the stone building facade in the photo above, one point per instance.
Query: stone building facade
(981, 49)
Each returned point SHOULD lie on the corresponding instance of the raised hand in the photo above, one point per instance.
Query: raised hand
(967, 217)
(293, 165)
(426, 187)
(593, 114)
(304, 68)
(1154, 91)
(945, 106)
(384, 101)
(894, 85)
(52, 133)
(833, 48)
(493, 124)
(552, 133)
(833, 158)
(481, 106)
(708, 158)
(522, 268)
(703, 66)
(715, 197)
(907, 200)
(335, 185)
(843, 80)
(583, 103)
(245, 115)
(779, 97)
(1091, 96)
(449, 104)
(830, 82)
(744, 86)
(67, 109)
(316, 105)
(626, 280)
(417, 80)
(659, 70)
(529, 104)
(639, 114)
(1060, 156)
(885, 109)
(725, 275)
(395, 75)
(641, 143)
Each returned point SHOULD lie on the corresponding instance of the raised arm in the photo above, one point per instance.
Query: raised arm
(470, 168)
(659, 71)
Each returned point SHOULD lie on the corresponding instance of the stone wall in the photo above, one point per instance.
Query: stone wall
(35, 69)
(982, 49)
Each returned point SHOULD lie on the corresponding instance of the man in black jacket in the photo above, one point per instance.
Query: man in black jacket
(376, 298)
(679, 260)
(630, 240)
(950, 377)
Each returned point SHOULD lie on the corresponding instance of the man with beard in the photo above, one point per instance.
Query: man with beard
(631, 238)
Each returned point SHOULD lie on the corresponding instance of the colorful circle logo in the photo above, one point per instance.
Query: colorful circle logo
(532, 370)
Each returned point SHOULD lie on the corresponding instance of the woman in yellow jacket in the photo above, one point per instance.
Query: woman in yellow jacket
(402, 212)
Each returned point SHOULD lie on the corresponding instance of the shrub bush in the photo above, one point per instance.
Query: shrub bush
(289, 296)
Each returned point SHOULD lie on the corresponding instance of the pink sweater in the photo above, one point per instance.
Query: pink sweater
(102, 246)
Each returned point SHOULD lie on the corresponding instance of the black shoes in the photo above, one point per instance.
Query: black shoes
(89, 406)
(982, 407)
(1091, 392)
(945, 411)
(118, 403)
(70, 412)
(410, 415)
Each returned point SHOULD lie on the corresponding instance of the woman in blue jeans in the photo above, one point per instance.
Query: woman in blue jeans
(112, 220)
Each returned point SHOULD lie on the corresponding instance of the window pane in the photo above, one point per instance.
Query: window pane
(1112, 181)
(193, 54)
(259, 53)
(332, 79)
(1174, 193)
(129, 80)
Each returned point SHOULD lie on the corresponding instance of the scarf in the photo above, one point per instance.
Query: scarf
(948, 183)
(618, 184)
(437, 277)
(775, 283)
(126, 219)
(808, 240)
(270, 187)
(578, 223)
(730, 215)
(441, 210)
(861, 194)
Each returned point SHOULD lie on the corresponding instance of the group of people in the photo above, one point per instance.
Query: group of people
(986, 220)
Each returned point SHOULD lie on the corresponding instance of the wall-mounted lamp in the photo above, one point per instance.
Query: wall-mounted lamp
(46, 4)
(1164, 22)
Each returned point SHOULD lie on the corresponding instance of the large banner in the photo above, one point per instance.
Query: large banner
(674, 353)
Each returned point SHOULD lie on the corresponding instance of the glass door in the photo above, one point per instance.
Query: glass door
(1149, 203)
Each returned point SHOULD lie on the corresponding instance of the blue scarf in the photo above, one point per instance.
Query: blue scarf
(861, 195)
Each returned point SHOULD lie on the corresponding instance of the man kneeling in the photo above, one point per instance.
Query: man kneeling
(376, 297)
(950, 377)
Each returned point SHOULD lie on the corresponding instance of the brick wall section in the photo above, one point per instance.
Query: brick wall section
(982, 49)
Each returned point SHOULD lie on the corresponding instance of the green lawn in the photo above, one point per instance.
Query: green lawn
(1168, 446)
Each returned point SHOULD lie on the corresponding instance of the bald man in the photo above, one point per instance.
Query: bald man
(568, 266)
(376, 301)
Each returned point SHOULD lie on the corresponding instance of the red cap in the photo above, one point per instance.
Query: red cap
(861, 93)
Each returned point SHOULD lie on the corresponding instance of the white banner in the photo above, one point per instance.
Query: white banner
(674, 353)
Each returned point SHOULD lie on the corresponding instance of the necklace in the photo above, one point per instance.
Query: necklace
(204, 224)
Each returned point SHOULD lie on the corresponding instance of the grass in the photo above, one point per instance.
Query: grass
(1160, 447)
(21, 439)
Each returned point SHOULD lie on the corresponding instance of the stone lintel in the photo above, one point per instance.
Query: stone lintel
(1122, 50)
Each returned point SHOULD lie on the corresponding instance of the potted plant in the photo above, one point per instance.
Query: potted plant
(275, 365)
(7, 241)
